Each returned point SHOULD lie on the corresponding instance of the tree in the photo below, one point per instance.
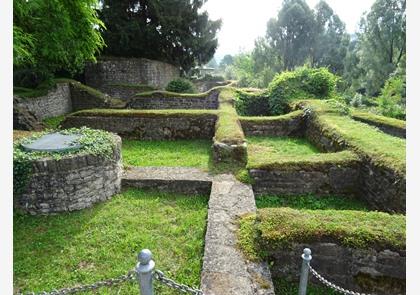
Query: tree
(50, 35)
(330, 40)
(227, 60)
(169, 30)
(382, 42)
(291, 33)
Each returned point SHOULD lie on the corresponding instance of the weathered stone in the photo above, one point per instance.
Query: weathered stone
(52, 189)
(23, 118)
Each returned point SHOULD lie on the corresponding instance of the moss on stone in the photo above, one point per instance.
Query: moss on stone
(272, 119)
(377, 119)
(144, 113)
(382, 149)
(276, 228)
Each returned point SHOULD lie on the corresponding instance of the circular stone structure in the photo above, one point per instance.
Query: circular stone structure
(74, 181)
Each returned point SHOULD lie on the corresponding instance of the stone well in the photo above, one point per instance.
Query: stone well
(73, 182)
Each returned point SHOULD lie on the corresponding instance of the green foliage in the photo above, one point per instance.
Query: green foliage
(95, 142)
(377, 119)
(279, 227)
(228, 128)
(53, 122)
(184, 153)
(181, 86)
(391, 102)
(56, 251)
(178, 32)
(62, 39)
(310, 202)
(303, 83)
(251, 103)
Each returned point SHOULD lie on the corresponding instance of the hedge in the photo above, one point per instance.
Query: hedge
(251, 103)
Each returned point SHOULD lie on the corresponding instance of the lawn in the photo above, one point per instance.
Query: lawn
(274, 147)
(310, 202)
(103, 242)
(185, 153)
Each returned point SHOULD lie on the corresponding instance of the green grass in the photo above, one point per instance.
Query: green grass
(228, 128)
(191, 153)
(103, 242)
(266, 119)
(143, 113)
(53, 122)
(280, 146)
(377, 119)
(310, 202)
(279, 227)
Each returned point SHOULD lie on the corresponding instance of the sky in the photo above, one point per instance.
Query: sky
(245, 20)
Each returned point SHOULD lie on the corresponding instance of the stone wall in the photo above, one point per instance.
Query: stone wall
(110, 70)
(190, 102)
(150, 127)
(72, 183)
(325, 179)
(362, 270)
(389, 129)
(203, 86)
(84, 97)
(383, 188)
(273, 127)
(56, 103)
(124, 92)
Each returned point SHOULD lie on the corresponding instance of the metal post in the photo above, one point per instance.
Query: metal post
(144, 269)
(303, 283)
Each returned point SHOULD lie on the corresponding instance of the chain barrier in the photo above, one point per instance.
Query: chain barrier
(159, 276)
(331, 285)
(131, 275)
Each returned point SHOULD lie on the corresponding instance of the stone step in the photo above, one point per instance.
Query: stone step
(225, 269)
(184, 180)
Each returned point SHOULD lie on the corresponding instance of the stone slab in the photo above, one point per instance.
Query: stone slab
(54, 142)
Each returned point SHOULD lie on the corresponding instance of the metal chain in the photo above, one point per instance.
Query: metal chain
(331, 285)
(131, 275)
(159, 276)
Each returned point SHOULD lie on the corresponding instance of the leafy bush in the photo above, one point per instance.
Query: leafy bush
(391, 102)
(303, 83)
(251, 104)
(181, 86)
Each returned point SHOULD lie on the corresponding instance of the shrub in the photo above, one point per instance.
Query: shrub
(391, 102)
(303, 83)
(251, 104)
(181, 86)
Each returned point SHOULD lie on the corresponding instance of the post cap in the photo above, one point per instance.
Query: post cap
(307, 254)
(145, 256)
(307, 251)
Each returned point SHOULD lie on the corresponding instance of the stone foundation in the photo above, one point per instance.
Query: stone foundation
(326, 179)
(112, 70)
(273, 127)
(150, 127)
(72, 183)
(363, 270)
(230, 153)
(56, 103)
(191, 102)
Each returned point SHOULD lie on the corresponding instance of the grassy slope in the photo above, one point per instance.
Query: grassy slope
(103, 241)
(383, 149)
(266, 119)
(192, 153)
(382, 120)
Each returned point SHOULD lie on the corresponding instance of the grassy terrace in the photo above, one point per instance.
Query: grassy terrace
(385, 150)
(143, 113)
(290, 153)
(191, 153)
(377, 119)
(103, 241)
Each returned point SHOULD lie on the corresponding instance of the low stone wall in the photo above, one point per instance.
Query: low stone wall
(383, 188)
(56, 103)
(203, 86)
(160, 103)
(124, 92)
(150, 127)
(391, 130)
(325, 179)
(362, 270)
(72, 183)
(229, 153)
(277, 126)
(111, 70)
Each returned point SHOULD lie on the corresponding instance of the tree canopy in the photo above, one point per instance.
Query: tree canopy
(50, 35)
(169, 30)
